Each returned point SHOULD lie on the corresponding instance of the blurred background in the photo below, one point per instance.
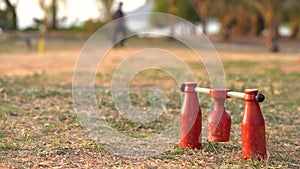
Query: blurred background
(257, 41)
(224, 19)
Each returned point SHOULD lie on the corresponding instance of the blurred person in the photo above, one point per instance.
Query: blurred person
(120, 26)
(28, 41)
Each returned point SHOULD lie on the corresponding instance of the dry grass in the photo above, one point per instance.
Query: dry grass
(40, 129)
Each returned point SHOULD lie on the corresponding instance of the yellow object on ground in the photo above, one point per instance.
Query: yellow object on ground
(41, 46)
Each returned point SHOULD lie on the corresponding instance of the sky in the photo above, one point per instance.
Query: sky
(75, 11)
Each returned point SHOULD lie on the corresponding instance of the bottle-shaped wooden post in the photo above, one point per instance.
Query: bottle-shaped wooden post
(190, 118)
(253, 128)
(218, 122)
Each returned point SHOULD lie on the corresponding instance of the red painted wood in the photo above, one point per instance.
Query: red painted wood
(253, 128)
(190, 119)
(218, 122)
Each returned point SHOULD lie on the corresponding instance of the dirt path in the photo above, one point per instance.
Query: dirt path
(55, 61)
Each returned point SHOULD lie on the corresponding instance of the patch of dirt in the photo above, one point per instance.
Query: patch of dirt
(20, 64)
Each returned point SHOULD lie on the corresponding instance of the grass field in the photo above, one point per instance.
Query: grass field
(40, 129)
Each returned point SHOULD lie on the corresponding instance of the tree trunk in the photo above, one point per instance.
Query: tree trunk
(272, 39)
(172, 27)
(204, 24)
(226, 33)
(228, 24)
(54, 13)
(295, 31)
(12, 9)
(260, 25)
(202, 10)
(107, 5)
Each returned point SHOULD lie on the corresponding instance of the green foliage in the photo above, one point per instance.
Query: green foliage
(187, 11)
(92, 26)
(180, 8)
(8, 19)
(160, 6)
(239, 17)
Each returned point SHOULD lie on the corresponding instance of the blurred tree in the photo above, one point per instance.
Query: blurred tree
(272, 11)
(257, 22)
(180, 8)
(159, 6)
(50, 19)
(107, 4)
(3, 20)
(244, 19)
(292, 12)
(203, 8)
(248, 20)
(45, 22)
(226, 12)
(54, 13)
(172, 9)
(187, 11)
(167, 6)
(9, 19)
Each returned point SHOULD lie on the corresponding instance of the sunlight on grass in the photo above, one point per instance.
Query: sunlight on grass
(37, 118)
